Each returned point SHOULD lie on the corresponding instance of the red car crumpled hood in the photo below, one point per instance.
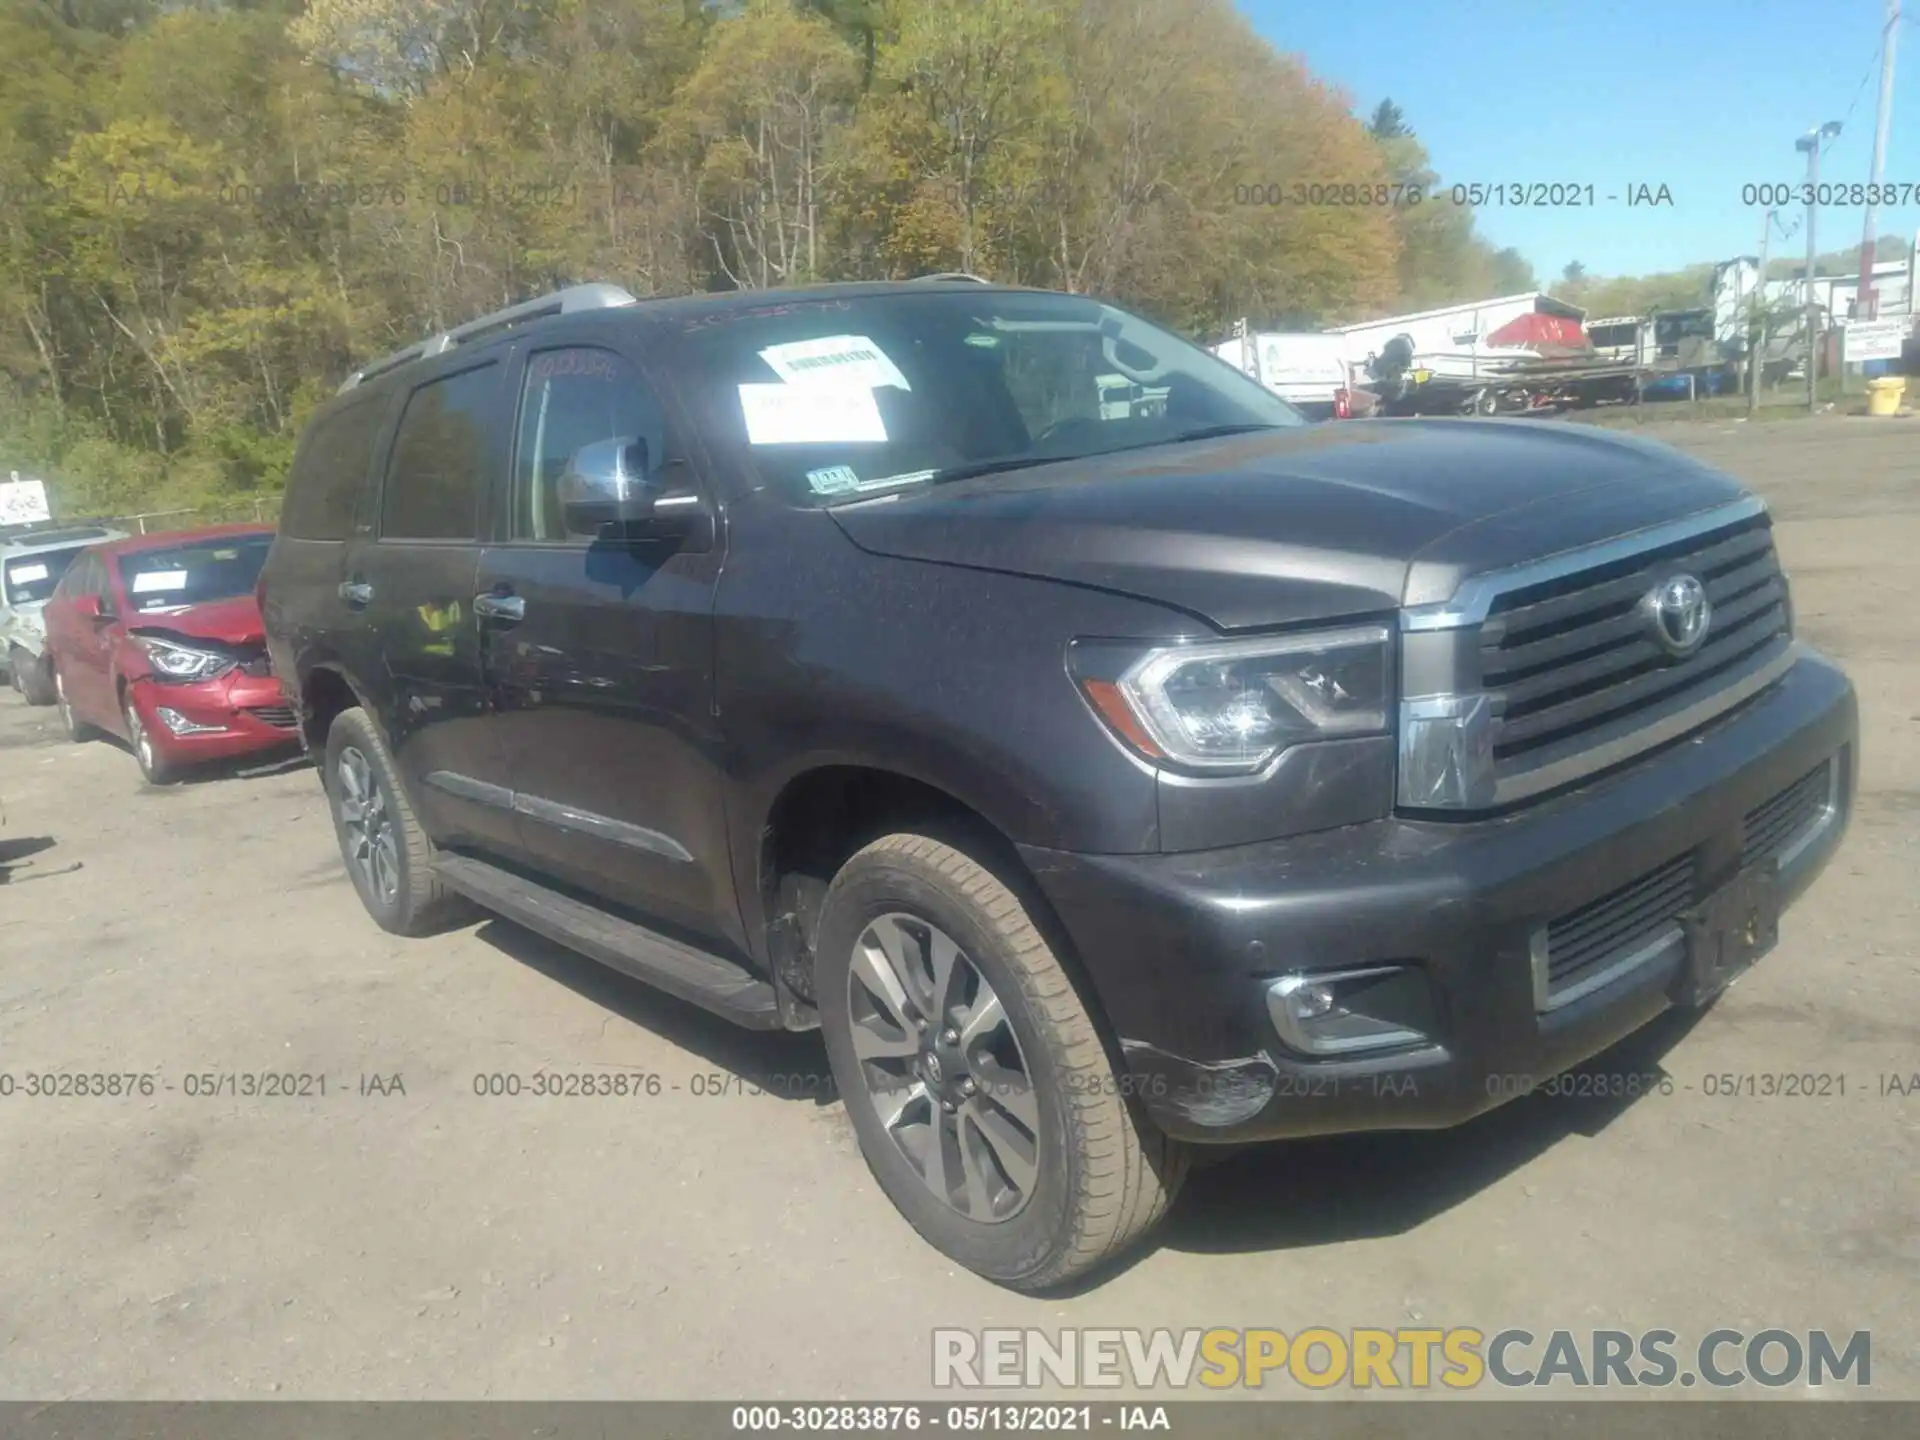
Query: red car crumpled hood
(232, 622)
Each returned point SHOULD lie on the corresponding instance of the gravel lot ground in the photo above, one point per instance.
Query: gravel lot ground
(707, 1242)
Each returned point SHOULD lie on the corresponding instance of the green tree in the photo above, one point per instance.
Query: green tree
(1388, 123)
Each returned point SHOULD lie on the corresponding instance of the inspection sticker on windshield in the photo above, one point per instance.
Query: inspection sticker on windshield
(150, 580)
(835, 360)
(834, 480)
(21, 574)
(810, 415)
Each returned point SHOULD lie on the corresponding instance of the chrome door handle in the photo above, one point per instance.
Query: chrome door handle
(510, 609)
(356, 593)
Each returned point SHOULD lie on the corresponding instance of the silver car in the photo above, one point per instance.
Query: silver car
(32, 560)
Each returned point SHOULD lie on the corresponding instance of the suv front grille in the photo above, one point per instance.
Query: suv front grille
(1571, 663)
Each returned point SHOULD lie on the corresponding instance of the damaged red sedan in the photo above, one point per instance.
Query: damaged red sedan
(157, 639)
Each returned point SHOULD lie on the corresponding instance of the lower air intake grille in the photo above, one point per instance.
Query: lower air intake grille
(1778, 826)
(1587, 944)
(279, 716)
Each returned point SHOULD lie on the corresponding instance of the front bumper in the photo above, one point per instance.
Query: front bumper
(243, 715)
(1181, 949)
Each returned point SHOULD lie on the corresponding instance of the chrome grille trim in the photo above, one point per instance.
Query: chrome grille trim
(1525, 784)
(1473, 601)
(1571, 671)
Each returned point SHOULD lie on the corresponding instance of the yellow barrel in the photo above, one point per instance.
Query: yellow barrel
(1883, 395)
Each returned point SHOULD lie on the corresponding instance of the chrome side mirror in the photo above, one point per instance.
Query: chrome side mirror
(606, 483)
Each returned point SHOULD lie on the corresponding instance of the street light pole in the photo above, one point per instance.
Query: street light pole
(1811, 142)
(1869, 306)
(1757, 354)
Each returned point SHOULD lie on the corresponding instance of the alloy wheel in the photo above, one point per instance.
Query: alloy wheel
(943, 1068)
(142, 741)
(366, 825)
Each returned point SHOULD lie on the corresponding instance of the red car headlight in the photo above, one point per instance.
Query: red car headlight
(173, 661)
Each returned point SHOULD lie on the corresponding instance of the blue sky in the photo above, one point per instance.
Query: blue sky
(1703, 96)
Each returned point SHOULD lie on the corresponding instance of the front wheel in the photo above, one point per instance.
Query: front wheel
(979, 1086)
(154, 767)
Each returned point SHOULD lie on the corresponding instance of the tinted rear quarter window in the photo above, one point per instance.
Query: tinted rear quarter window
(335, 458)
(440, 459)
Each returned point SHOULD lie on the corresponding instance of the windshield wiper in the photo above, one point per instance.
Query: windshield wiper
(1027, 462)
(1213, 432)
(996, 467)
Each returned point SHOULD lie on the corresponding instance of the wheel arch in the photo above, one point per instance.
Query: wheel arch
(325, 691)
(826, 812)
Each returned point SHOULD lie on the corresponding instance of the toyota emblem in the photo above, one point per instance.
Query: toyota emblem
(1680, 613)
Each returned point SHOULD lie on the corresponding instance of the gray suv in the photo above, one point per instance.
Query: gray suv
(1110, 763)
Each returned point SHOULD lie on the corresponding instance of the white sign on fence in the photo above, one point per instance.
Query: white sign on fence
(1875, 339)
(23, 501)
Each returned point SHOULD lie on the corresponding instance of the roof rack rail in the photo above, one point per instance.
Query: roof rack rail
(560, 302)
(955, 275)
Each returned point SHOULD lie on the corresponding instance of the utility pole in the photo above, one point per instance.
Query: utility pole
(1811, 142)
(1869, 306)
(1757, 355)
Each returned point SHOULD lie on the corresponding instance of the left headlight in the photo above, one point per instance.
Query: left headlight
(1231, 706)
(183, 662)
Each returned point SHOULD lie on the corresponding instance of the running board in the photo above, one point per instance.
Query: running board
(681, 970)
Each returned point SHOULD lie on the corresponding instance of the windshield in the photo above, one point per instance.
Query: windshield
(222, 569)
(839, 400)
(31, 578)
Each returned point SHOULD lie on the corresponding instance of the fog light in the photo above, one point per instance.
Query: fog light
(1344, 1011)
(181, 725)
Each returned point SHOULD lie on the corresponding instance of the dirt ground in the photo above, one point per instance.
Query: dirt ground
(706, 1242)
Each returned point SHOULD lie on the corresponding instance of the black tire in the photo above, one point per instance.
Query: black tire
(416, 903)
(33, 678)
(154, 768)
(78, 731)
(1105, 1175)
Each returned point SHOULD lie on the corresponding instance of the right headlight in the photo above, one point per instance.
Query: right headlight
(1231, 706)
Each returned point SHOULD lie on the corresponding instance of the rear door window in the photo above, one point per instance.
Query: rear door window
(335, 458)
(440, 459)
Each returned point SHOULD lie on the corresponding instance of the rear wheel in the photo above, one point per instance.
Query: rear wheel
(388, 856)
(984, 1098)
(32, 677)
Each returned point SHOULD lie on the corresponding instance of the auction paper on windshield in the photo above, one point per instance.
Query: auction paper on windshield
(852, 361)
(811, 415)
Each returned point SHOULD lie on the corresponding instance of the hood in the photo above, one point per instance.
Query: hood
(234, 622)
(1293, 526)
